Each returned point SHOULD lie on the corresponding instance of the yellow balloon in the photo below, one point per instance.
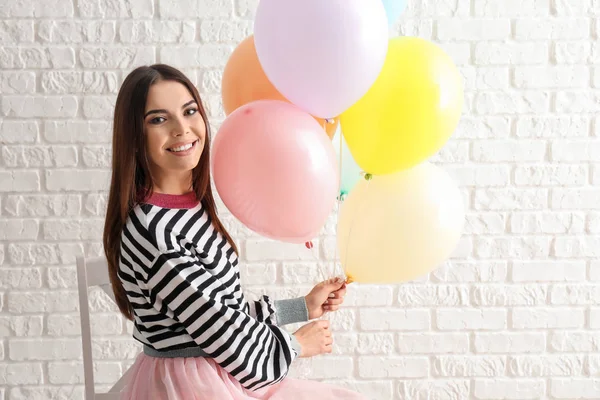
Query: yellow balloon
(411, 110)
(400, 226)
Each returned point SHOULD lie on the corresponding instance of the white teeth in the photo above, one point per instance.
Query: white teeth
(182, 148)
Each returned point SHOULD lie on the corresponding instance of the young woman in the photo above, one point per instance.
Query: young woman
(174, 268)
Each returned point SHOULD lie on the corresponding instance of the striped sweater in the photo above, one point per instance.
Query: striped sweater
(182, 279)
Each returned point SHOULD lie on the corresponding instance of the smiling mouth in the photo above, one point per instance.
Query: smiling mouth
(183, 148)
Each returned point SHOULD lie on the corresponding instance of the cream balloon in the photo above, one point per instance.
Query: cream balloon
(397, 227)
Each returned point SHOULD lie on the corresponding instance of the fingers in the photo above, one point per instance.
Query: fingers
(326, 337)
(334, 301)
(341, 292)
(338, 282)
(338, 294)
(327, 346)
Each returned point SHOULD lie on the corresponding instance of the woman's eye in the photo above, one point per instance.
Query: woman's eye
(157, 120)
(191, 111)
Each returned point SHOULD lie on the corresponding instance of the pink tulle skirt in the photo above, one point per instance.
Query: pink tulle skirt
(203, 379)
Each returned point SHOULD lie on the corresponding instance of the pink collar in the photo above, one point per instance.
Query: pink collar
(187, 200)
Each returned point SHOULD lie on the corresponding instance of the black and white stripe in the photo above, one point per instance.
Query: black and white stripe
(182, 279)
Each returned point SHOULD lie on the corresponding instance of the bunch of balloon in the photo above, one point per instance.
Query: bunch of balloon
(283, 90)
(406, 217)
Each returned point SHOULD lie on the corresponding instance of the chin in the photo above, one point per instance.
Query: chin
(181, 166)
(191, 165)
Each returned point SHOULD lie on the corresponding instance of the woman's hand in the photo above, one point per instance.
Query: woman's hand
(314, 338)
(325, 296)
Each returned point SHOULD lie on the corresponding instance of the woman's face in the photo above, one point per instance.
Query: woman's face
(175, 130)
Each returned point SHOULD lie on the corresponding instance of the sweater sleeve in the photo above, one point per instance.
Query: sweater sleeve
(256, 354)
(278, 312)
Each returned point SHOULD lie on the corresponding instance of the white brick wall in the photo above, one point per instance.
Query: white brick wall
(515, 314)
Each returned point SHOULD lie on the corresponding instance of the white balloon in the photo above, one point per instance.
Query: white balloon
(400, 226)
(322, 55)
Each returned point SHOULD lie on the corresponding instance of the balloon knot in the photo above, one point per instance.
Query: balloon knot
(368, 177)
(349, 279)
(329, 120)
(309, 245)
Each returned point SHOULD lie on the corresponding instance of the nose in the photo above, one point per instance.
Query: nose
(179, 127)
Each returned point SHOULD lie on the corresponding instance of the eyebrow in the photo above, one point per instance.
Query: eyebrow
(165, 111)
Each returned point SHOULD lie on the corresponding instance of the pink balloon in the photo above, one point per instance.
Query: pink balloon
(275, 169)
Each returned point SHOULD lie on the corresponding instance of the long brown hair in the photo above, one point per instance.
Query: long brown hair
(131, 176)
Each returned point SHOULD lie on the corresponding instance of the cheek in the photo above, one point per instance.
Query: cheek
(200, 128)
(154, 144)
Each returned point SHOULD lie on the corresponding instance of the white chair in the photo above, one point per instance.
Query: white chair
(94, 272)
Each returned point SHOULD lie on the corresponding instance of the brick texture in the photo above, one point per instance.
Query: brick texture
(512, 315)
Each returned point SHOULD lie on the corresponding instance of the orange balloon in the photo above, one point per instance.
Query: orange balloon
(245, 81)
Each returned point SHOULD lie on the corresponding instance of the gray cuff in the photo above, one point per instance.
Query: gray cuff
(296, 345)
(290, 311)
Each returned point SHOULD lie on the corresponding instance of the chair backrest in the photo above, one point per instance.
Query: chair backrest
(90, 272)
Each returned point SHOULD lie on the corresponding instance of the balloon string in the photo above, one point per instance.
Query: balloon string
(368, 178)
(337, 211)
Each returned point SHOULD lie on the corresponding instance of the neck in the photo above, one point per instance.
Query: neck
(173, 183)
